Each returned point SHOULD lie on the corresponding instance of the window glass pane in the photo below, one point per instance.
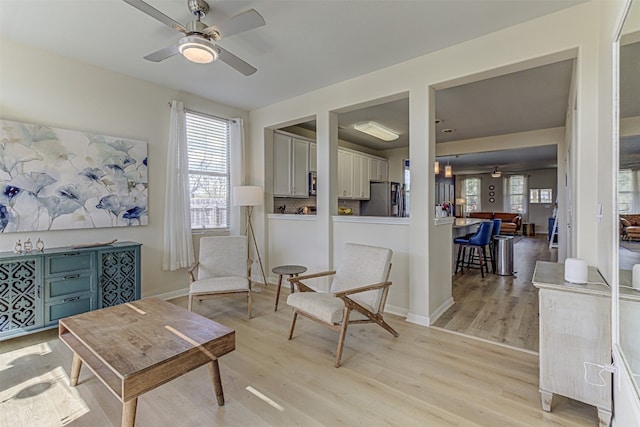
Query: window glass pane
(472, 194)
(546, 195)
(208, 152)
(534, 195)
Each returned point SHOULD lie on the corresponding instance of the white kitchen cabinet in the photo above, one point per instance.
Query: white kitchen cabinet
(345, 174)
(361, 187)
(379, 169)
(290, 166)
(575, 338)
(313, 157)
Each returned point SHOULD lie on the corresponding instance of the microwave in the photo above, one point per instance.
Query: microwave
(313, 179)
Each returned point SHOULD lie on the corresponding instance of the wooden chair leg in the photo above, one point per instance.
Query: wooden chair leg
(481, 258)
(293, 323)
(278, 292)
(484, 255)
(249, 303)
(190, 302)
(343, 334)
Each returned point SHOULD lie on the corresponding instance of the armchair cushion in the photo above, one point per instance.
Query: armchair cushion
(362, 265)
(219, 284)
(322, 306)
(625, 222)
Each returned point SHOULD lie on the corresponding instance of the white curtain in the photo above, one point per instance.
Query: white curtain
(178, 243)
(237, 165)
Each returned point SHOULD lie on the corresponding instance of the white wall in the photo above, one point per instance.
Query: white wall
(39, 87)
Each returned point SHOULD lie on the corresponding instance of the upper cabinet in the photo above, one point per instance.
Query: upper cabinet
(313, 157)
(345, 174)
(354, 174)
(378, 169)
(290, 166)
(361, 177)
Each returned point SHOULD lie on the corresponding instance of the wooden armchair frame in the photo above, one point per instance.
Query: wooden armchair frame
(349, 305)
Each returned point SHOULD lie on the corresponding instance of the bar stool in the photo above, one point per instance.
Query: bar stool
(292, 271)
(476, 243)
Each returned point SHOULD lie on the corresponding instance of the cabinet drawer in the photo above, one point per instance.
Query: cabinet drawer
(68, 284)
(68, 307)
(69, 261)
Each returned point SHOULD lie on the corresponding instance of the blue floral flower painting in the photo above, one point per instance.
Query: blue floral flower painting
(57, 179)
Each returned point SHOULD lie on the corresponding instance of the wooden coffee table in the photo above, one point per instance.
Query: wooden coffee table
(135, 347)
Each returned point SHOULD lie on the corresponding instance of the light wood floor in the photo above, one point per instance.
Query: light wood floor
(425, 377)
(501, 309)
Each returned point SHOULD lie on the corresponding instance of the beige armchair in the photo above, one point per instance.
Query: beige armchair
(357, 294)
(223, 269)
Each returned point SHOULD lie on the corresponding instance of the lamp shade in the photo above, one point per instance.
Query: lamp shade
(460, 201)
(248, 195)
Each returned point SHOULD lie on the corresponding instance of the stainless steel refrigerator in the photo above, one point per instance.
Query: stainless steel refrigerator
(387, 199)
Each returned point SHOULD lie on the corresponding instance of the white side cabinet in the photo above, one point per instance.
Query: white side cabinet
(313, 157)
(290, 166)
(575, 338)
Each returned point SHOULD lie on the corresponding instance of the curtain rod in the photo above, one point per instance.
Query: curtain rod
(206, 114)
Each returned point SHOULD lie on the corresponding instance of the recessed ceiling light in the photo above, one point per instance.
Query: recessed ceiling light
(448, 130)
(438, 121)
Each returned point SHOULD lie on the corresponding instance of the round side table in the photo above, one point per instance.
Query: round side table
(292, 271)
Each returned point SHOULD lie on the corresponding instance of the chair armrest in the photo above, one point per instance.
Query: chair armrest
(311, 276)
(191, 270)
(304, 288)
(361, 289)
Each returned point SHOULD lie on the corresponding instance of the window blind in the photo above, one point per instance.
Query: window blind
(208, 153)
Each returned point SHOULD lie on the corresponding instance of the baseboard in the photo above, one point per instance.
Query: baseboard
(418, 319)
(171, 295)
(397, 310)
(440, 310)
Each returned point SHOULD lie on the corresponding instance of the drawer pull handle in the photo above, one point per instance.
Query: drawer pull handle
(71, 276)
(72, 253)
(71, 299)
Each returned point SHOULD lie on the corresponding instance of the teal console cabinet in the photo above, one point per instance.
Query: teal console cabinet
(39, 288)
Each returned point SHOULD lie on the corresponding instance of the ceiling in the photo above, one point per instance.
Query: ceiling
(305, 44)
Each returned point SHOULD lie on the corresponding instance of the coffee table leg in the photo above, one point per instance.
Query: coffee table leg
(278, 292)
(129, 412)
(76, 364)
(214, 370)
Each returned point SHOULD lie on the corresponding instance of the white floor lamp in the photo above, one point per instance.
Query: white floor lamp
(250, 196)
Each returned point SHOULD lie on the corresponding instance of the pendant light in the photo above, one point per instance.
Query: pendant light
(436, 167)
(447, 170)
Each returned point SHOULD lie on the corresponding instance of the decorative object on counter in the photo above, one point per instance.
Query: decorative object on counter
(106, 186)
(282, 209)
(345, 211)
(40, 245)
(28, 246)
(17, 248)
(94, 245)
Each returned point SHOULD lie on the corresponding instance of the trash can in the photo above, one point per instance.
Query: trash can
(504, 255)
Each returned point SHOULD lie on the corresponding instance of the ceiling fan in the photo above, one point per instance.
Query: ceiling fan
(198, 45)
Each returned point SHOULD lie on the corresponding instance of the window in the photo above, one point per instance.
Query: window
(516, 185)
(625, 191)
(471, 194)
(208, 146)
(540, 195)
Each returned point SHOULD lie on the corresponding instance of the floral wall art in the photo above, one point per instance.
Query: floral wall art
(57, 179)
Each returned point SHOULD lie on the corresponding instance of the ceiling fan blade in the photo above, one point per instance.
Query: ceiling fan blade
(155, 13)
(163, 53)
(233, 61)
(244, 21)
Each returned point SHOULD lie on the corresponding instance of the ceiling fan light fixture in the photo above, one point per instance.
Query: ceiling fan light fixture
(197, 50)
(496, 173)
(376, 130)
